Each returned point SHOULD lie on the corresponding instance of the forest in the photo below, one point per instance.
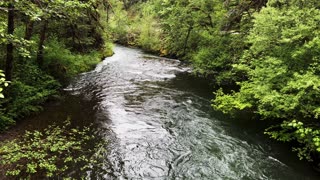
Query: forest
(262, 57)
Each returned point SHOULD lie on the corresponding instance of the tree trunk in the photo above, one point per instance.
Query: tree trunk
(9, 60)
(29, 30)
(73, 34)
(41, 43)
(107, 14)
(186, 40)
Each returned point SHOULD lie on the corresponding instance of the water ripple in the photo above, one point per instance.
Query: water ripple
(164, 132)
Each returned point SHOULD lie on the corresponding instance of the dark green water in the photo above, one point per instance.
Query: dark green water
(160, 125)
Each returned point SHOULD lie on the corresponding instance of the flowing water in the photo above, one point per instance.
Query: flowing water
(160, 125)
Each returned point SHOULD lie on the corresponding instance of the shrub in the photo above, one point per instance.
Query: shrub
(55, 152)
(30, 89)
(63, 64)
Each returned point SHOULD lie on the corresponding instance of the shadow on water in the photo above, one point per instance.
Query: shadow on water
(247, 129)
(160, 125)
(80, 111)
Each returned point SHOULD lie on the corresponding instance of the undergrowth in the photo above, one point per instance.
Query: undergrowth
(56, 152)
(32, 85)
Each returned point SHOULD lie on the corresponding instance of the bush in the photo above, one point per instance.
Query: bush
(282, 70)
(26, 99)
(30, 89)
(63, 64)
(56, 152)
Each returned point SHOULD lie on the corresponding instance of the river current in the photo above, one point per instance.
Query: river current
(160, 125)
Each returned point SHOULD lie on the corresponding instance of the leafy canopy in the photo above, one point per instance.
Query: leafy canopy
(283, 73)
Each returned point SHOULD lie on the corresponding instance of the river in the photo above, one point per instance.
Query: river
(159, 124)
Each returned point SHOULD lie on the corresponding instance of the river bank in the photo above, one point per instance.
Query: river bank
(159, 124)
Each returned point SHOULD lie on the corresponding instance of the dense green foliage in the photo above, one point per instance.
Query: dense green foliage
(282, 67)
(42, 45)
(264, 56)
(198, 31)
(56, 152)
(63, 64)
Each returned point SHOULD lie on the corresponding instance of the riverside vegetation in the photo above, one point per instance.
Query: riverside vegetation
(42, 45)
(55, 152)
(262, 55)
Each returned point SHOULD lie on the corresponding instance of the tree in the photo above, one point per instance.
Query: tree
(282, 70)
(9, 60)
(26, 26)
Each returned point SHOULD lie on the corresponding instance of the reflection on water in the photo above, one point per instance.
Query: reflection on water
(161, 126)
